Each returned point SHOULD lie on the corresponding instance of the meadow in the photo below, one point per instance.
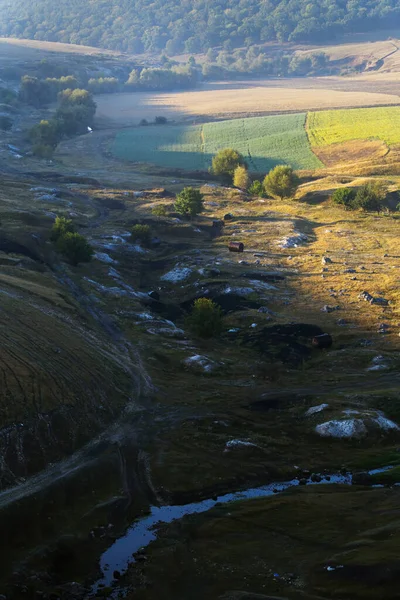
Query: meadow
(338, 126)
(264, 141)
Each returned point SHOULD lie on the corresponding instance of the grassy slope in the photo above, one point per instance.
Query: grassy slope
(57, 365)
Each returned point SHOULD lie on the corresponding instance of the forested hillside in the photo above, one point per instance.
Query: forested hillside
(191, 25)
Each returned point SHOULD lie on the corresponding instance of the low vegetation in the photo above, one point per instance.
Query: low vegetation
(141, 233)
(337, 126)
(71, 244)
(369, 197)
(189, 202)
(205, 319)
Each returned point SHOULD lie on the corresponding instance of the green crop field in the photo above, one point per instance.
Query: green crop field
(337, 126)
(264, 141)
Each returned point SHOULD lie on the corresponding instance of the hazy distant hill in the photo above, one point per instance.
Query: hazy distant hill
(191, 25)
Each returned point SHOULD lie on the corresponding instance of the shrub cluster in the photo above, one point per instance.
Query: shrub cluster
(369, 197)
(68, 242)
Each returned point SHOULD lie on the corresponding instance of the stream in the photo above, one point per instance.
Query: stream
(119, 556)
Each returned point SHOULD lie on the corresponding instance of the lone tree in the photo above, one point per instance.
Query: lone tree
(281, 182)
(241, 178)
(225, 162)
(189, 202)
(344, 197)
(206, 318)
(61, 226)
(370, 197)
(75, 248)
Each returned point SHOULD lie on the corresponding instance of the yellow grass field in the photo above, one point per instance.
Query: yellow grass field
(338, 126)
(129, 108)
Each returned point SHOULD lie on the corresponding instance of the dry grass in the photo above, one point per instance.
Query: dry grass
(13, 48)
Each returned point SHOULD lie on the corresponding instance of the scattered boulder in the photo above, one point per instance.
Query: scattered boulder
(200, 364)
(369, 298)
(154, 295)
(104, 257)
(293, 241)
(232, 444)
(326, 260)
(177, 274)
(359, 425)
(380, 301)
(313, 410)
(228, 217)
(329, 309)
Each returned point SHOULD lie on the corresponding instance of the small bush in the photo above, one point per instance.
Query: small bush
(75, 248)
(257, 189)
(344, 197)
(189, 202)
(143, 123)
(370, 197)
(141, 234)
(205, 319)
(159, 211)
(241, 178)
(160, 120)
(61, 226)
(43, 151)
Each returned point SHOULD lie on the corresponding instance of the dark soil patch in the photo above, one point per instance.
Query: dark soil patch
(290, 344)
(12, 247)
(267, 277)
(111, 203)
(172, 312)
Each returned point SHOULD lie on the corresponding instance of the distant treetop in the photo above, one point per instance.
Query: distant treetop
(192, 26)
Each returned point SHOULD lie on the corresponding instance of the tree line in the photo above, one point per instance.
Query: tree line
(186, 26)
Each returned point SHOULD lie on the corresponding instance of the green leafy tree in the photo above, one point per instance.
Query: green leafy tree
(281, 182)
(75, 248)
(225, 162)
(46, 133)
(344, 197)
(241, 178)
(34, 91)
(61, 226)
(205, 319)
(189, 202)
(141, 233)
(76, 111)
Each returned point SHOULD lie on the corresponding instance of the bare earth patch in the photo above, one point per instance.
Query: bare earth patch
(349, 152)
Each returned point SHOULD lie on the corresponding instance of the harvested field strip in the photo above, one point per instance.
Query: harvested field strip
(264, 141)
(338, 126)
